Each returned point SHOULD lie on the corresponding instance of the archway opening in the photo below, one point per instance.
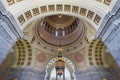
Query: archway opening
(67, 74)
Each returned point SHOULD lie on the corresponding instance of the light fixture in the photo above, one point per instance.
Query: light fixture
(60, 64)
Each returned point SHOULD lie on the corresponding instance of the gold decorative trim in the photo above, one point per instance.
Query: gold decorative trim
(83, 11)
(51, 8)
(35, 11)
(75, 9)
(97, 19)
(90, 14)
(67, 8)
(43, 9)
(21, 19)
(59, 7)
(28, 14)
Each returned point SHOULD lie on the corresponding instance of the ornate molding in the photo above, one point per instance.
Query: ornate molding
(108, 20)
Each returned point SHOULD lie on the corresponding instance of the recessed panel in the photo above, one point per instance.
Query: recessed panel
(83, 11)
(43, 9)
(35, 11)
(67, 8)
(97, 19)
(21, 19)
(28, 15)
(59, 7)
(51, 8)
(90, 14)
(75, 9)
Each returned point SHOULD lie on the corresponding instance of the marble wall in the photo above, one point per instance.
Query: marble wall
(25, 74)
(95, 73)
(4, 67)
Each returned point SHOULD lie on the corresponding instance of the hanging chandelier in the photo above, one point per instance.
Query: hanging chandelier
(60, 64)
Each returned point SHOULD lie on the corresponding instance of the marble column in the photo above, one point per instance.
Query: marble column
(9, 32)
(109, 32)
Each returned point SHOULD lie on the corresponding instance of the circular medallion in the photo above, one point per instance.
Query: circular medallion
(41, 57)
(78, 57)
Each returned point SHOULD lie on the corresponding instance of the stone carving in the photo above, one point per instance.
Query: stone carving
(59, 7)
(75, 9)
(28, 15)
(11, 2)
(90, 14)
(43, 9)
(97, 19)
(83, 11)
(67, 8)
(35, 11)
(21, 19)
(51, 8)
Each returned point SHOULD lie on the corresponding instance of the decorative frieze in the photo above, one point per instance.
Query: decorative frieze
(59, 8)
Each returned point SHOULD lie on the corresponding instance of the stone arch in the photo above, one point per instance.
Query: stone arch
(96, 53)
(22, 67)
(88, 13)
(23, 53)
(69, 64)
(97, 67)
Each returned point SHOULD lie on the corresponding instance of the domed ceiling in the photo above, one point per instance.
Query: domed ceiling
(50, 24)
(50, 32)
(60, 21)
(59, 29)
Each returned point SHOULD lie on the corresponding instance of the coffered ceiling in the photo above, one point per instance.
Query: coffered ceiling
(26, 11)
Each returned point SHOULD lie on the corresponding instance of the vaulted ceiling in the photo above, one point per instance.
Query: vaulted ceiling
(39, 20)
(25, 11)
